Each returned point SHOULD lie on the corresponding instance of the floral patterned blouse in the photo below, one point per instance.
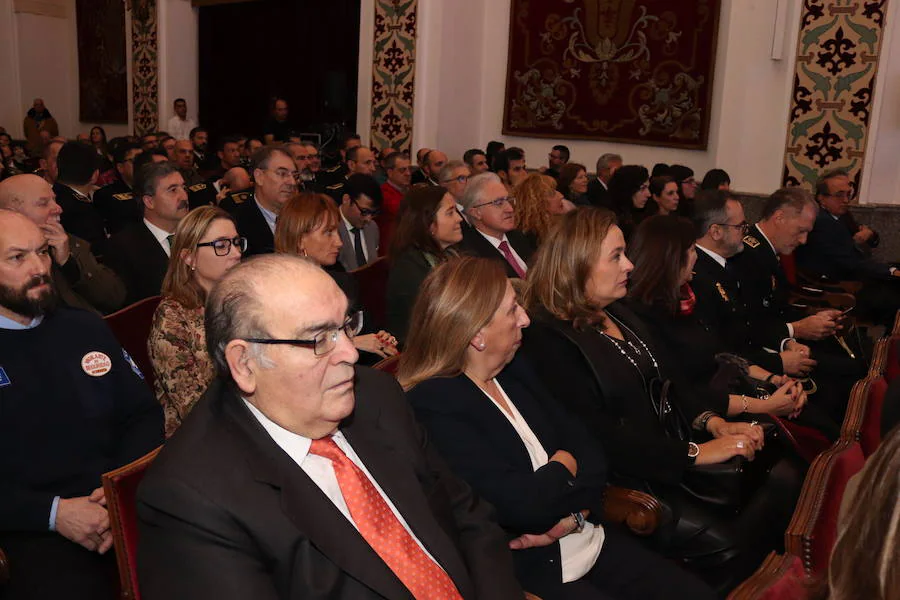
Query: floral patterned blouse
(183, 368)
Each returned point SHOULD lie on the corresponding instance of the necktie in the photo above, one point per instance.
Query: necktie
(383, 531)
(170, 239)
(358, 246)
(504, 248)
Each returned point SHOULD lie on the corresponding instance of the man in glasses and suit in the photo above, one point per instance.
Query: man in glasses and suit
(300, 475)
(360, 204)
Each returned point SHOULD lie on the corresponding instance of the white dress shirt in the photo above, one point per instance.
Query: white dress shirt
(181, 129)
(496, 242)
(716, 257)
(161, 235)
(579, 551)
(321, 470)
(362, 236)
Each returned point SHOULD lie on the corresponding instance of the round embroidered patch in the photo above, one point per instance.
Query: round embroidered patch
(96, 364)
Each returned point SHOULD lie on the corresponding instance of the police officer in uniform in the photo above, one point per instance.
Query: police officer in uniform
(116, 202)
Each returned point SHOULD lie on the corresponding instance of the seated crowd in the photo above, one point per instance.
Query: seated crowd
(554, 333)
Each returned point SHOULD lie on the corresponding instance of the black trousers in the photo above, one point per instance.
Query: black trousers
(625, 570)
(47, 566)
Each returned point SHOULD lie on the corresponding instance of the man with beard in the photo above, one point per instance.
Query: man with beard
(274, 172)
(74, 406)
(139, 254)
(199, 140)
(79, 279)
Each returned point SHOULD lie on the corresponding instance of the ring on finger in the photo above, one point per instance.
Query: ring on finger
(740, 445)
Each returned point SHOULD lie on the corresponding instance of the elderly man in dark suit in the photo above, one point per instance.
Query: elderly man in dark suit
(493, 234)
(139, 254)
(274, 172)
(360, 204)
(300, 476)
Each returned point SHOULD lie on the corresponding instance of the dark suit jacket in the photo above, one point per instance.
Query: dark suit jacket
(831, 251)
(138, 260)
(598, 195)
(81, 218)
(407, 273)
(474, 243)
(481, 446)
(720, 308)
(252, 225)
(225, 513)
(347, 256)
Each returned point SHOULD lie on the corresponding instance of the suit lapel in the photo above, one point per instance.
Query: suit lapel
(314, 515)
(401, 484)
(347, 256)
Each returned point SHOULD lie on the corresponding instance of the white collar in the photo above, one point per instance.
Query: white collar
(7, 323)
(763, 234)
(161, 235)
(716, 257)
(495, 241)
(295, 445)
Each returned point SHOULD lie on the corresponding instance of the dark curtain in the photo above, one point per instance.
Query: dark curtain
(102, 70)
(303, 50)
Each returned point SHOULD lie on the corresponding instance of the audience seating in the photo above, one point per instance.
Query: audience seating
(808, 442)
(892, 358)
(780, 577)
(4, 569)
(120, 487)
(131, 326)
(372, 280)
(808, 293)
(813, 529)
(389, 364)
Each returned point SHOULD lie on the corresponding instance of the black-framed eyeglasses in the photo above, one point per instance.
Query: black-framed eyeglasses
(325, 341)
(222, 247)
(367, 212)
(497, 203)
(457, 179)
(744, 227)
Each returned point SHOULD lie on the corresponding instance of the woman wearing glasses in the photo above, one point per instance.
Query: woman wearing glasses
(308, 226)
(629, 190)
(205, 247)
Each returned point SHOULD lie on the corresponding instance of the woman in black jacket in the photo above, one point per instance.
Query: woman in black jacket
(601, 361)
(503, 433)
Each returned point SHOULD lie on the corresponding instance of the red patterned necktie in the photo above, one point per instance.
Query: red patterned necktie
(380, 527)
(504, 248)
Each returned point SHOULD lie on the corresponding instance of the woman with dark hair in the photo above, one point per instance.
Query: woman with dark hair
(659, 292)
(99, 142)
(573, 184)
(427, 229)
(716, 179)
(687, 188)
(664, 193)
(506, 435)
(612, 377)
(629, 189)
(308, 226)
(493, 149)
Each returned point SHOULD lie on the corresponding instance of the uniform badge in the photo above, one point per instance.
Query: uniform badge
(124, 197)
(751, 241)
(4, 378)
(199, 187)
(722, 292)
(96, 364)
(765, 302)
(130, 361)
(774, 282)
(240, 198)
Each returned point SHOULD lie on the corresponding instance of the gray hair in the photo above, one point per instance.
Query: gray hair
(261, 158)
(793, 198)
(147, 179)
(235, 307)
(474, 190)
(605, 159)
(447, 170)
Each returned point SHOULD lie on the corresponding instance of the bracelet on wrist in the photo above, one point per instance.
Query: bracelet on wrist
(745, 404)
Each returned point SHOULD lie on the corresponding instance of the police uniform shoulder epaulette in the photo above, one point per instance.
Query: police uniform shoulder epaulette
(751, 241)
(240, 197)
(335, 186)
(198, 187)
(124, 196)
(334, 169)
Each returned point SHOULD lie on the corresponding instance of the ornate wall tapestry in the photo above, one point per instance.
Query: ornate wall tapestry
(102, 68)
(393, 70)
(834, 84)
(144, 66)
(635, 71)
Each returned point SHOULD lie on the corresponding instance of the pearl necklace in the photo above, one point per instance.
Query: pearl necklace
(618, 345)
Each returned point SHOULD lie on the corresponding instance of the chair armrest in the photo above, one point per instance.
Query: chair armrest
(4, 569)
(817, 301)
(641, 512)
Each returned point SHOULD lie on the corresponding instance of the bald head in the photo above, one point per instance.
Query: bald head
(30, 196)
(237, 179)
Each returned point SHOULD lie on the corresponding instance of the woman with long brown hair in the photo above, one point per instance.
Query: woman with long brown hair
(506, 435)
(585, 342)
(428, 228)
(206, 245)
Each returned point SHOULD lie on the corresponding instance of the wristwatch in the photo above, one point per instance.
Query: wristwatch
(693, 452)
(579, 521)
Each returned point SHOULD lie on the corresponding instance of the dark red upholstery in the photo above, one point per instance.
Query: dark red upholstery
(813, 528)
(120, 487)
(892, 366)
(131, 326)
(792, 585)
(780, 577)
(372, 281)
(870, 430)
(388, 365)
(789, 265)
(808, 442)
